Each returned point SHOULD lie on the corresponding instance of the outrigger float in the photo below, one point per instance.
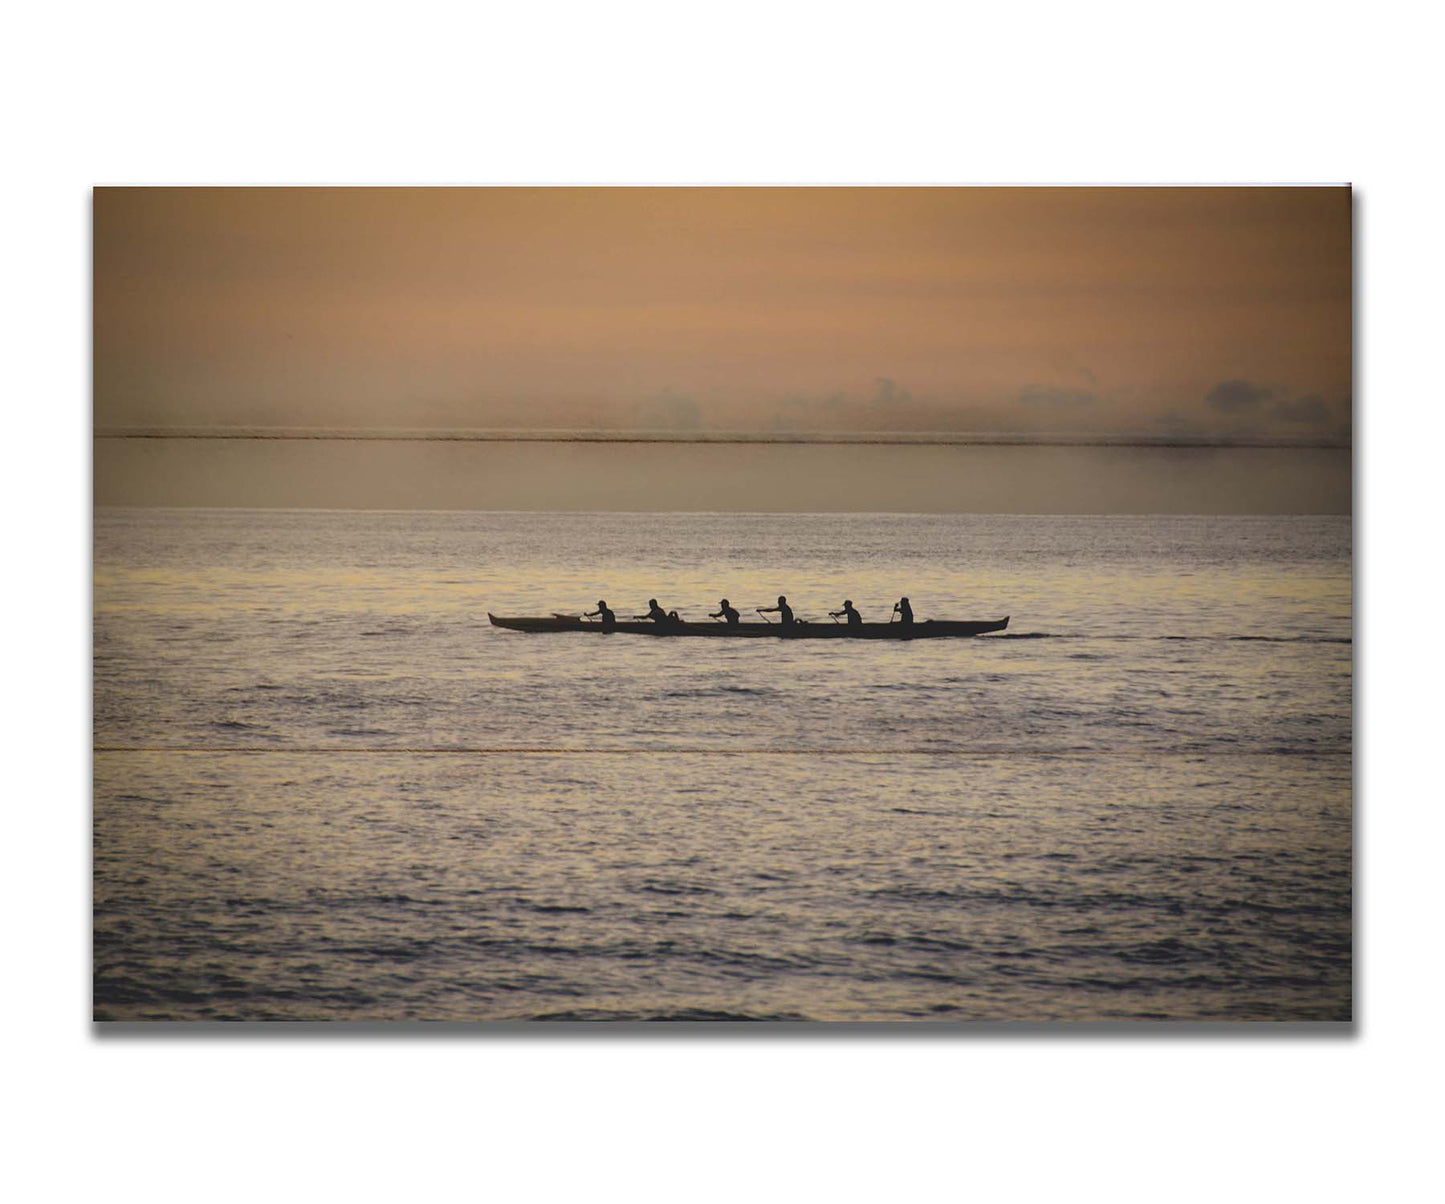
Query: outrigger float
(927, 629)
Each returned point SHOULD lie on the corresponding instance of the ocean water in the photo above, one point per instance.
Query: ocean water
(327, 788)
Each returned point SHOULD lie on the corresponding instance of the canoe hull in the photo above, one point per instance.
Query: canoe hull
(931, 629)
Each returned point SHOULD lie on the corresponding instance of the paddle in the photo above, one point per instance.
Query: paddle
(759, 609)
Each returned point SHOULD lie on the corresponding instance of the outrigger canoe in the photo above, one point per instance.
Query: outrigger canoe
(928, 629)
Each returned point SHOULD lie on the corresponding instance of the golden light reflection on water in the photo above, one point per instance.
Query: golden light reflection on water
(851, 888)
(1130, 808)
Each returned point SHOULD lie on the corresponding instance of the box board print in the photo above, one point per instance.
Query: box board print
(791, 604)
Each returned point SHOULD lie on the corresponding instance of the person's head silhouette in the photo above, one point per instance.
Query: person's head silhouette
(724, 601)
(653, 601)
(782, 601)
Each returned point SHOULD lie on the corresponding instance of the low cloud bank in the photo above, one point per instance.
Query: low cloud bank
(1237, 396)
(1043, 398)
(1311, 409)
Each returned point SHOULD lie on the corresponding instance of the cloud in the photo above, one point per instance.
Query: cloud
(1044, 398)
(1236, 396)
(671, 411)
(1311, 409)
(888, 392)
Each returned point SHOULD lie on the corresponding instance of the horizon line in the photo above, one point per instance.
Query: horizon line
(664, 436)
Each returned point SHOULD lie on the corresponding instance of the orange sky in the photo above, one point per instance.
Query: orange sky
(1213, 312)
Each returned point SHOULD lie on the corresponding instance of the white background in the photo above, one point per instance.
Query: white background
(836, 93)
